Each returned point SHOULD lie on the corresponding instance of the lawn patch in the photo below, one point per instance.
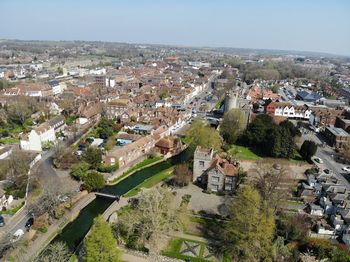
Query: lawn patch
(242, 153)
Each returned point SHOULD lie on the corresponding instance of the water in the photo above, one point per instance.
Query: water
(75, 231)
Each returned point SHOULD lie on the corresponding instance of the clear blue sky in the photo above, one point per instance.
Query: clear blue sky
(310, 25)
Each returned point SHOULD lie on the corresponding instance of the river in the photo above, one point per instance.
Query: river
(75, 231)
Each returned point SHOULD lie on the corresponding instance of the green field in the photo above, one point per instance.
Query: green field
(150, 182)
(242, 153)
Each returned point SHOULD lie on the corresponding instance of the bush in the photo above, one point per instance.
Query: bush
(93, 181)
(43, 229)
(108, 169)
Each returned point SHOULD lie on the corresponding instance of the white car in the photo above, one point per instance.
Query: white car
(318, 160)
(346, 169)
(17, 235)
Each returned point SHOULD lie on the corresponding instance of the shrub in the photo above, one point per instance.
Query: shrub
(108, 169)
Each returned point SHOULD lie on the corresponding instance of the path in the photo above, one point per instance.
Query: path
(42, 239)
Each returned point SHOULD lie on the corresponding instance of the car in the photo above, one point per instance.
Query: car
(327, 171)
(17, 235)
(2, 221)
(29, 223)
(318, 160)
(346, 169)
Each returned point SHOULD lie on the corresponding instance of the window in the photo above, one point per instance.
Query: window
(215, 179)
(214, 188)
(201, 163)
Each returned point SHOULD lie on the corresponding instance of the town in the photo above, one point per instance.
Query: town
(210, 132)
(168, 131)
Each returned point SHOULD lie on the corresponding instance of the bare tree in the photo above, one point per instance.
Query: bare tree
(182, 175)
(154, 216)
(270, 182)
(55, 252)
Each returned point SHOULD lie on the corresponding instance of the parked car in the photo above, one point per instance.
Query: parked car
(327, 171)
(29, 223)
(346, 169)
(318, 160)
(2, 221)
(17, 235)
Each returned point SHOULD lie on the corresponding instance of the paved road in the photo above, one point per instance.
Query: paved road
(327, 154)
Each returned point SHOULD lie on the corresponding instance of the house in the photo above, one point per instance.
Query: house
(308, 96)
(37, 138)
(130, 152)
(116, 107)
(219, 175)
(125, 138)
(169, 146)
(315, 210)
(336, 136)
(201, 162)
(337, 222)
(287, 110)
(57, 123)
(322, 117)
(222, 175)
(56, 87)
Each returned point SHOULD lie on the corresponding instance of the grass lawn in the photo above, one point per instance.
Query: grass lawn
(9, 140)
(242, 153)
(150, 182)
(174, 248)
(144, 163)
(13, 210)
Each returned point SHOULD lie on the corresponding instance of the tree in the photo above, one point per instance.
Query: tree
(294, 131)
(93, 156)
(293, 227)
(232, 125)
(182, 175)
(79, 170)
(201, 134)
(248, 234)
(308, 149)
(154, 216)
(93, 181)
(270, 183)
(55, 252)
(275, 89)
(18, 113)
(100, 244)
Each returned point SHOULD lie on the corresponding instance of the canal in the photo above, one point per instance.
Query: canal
(74, 232)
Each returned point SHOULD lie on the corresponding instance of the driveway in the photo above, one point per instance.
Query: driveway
(210, 203)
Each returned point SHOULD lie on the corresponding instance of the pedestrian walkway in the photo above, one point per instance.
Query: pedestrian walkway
(43, 239)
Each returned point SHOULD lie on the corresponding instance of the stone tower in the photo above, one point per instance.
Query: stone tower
(231, 101)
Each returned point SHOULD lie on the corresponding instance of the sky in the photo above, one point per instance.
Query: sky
(302, 25)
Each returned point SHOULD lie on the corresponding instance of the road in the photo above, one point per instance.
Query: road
(327, 154)
(20, 219)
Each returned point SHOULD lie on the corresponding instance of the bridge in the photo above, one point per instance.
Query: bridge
(100, 194)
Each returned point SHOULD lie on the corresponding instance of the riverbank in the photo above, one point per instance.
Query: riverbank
(54, 229)
(139, 165)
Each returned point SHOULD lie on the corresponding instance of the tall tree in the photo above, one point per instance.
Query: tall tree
(270, 183)
(155, 215)
(93, 156)
(232, 125)
(201, 134)
(100, 244)
(248, 234)
(308, 149)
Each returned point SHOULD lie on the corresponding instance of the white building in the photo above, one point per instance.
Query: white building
(293, 112)
(36, 139)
